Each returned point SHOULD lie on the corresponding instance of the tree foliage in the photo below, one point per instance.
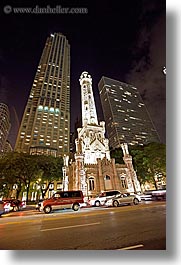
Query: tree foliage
(118, 155)
(20, 169)
(148, 160)
(23, 169)
(51, 169)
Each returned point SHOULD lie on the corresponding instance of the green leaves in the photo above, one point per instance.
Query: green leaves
(51, 170)
(24, 169)
(118, 155)
(148, 160)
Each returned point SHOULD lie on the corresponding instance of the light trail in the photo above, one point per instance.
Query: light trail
(131, 247)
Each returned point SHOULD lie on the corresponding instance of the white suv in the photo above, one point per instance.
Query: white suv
(102, 197)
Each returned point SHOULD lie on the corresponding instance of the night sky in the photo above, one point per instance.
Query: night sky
(123, 40)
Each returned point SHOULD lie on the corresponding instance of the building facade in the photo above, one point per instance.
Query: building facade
(8, 147)
(5, 126)
(45, 126)
(93, 170)
(126, 116)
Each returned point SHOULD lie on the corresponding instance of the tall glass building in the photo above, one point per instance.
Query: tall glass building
(45, 126)
(4, 125)
(126, 116)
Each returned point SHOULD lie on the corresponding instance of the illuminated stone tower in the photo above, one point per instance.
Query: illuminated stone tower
(89, 115)
(45, 126)
(93, 171)
(91, 136)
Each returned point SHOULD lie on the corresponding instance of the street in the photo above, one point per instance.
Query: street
(127, 227)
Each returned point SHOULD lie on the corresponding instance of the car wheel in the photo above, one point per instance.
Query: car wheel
(97, 203)
(115, 203)
(76, 207)
(47, 209)
(135, 201)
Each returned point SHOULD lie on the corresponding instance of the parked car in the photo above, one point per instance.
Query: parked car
(63, 199)
(13, 205)
(102, 197)
(146, 195)
(159, 194)
(132, 199)
(151, 195)
(1, 208)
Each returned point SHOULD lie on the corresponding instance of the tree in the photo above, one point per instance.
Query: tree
(118, 155)
(8, 173)
(24, 169)
(149, 161)
(29, 170)
(51, 169)
(20, 169)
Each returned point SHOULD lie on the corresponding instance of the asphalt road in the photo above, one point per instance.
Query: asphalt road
(141, 227)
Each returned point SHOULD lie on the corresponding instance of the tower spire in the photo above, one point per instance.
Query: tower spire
(89, 114)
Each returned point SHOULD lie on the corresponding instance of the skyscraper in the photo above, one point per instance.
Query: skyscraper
(4, 125)
(127, 119)
(45, 126)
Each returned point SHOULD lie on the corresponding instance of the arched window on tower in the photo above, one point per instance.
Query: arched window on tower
(107, 181)
(91, 183)
(107, 177)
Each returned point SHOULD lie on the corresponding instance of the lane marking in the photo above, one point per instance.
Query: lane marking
(131, 247)
(65, 227)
